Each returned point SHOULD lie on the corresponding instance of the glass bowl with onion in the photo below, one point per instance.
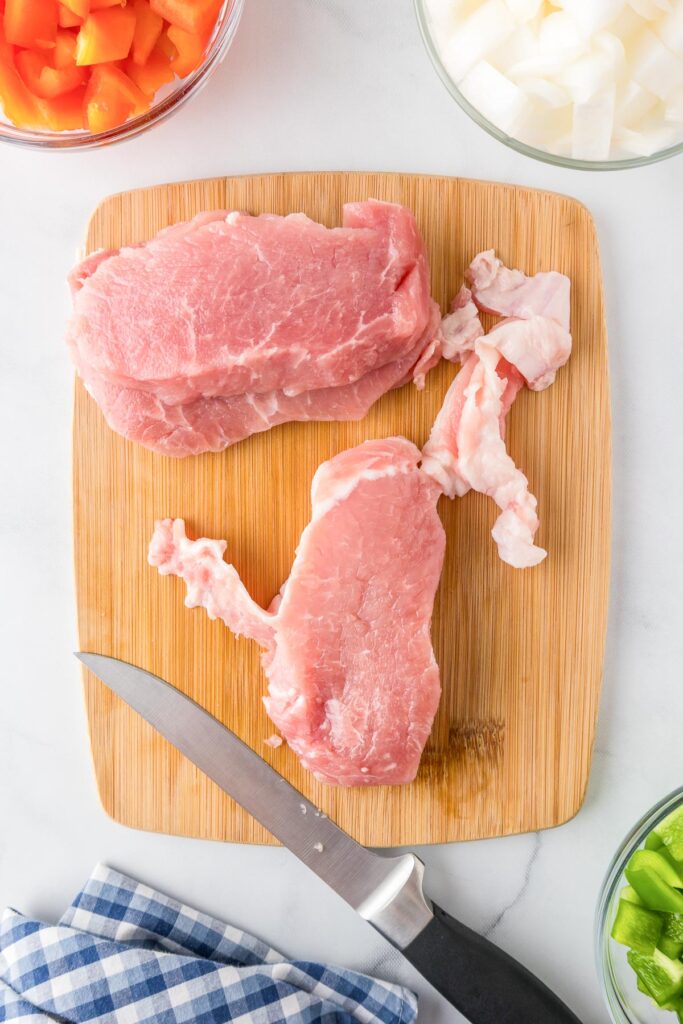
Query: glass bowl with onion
(133, 94)
(589, 84)
(639, 920)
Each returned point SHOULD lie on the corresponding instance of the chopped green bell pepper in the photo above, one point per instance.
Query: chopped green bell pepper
(673, 926)
(637, 927)
(670, 831)
(670, 947)
(659, 862)
(655, 893)
(661, 976)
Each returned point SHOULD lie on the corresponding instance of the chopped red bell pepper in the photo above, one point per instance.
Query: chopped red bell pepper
(105, 36)
(45, 81)
(70, 64)
(66, 18)
(64, 53)
(190, 15)
(81, 8)
(150, 76)
(148, 28)
(19, 104)
(6, 49)
(31, 23)
(65, 113)
(191, 49)
(111, 97)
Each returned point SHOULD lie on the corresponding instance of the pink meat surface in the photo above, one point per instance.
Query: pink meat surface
(228, 304)
(353, 683)
(466, 448)
(212, 424)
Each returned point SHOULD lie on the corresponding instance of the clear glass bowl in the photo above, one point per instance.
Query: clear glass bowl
(522, 147)
(625, 1003)
(166, 102)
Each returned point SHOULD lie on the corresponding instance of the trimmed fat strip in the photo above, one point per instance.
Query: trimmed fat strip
(537, 347)
(504, 292)
(466, 448)
(461, 328)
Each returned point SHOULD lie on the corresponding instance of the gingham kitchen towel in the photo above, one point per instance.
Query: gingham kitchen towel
(126, 954)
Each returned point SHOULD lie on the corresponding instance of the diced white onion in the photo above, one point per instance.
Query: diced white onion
(563, 145)
(670, 29)
(444, 14)
(549, 93)
(516, 47)
(557, 44)
(549, 113)
(498, 99)
(645, 142)
(627, 25)
(482, 32)
(559, 35)
(673, 109)
(592, 79)
(650, 9)
(634, 104)
(592, 15)
(612, 47)
(524, 10)
(587, 77)
(547, 127)
(655, 67)
(536, 65)
(593, 127)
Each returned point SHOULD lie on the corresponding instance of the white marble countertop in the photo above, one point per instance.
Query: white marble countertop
(330, 84)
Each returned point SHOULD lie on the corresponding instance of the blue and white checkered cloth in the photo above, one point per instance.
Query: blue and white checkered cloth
(125, 954)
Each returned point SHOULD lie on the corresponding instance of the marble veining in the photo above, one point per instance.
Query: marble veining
(521, 892)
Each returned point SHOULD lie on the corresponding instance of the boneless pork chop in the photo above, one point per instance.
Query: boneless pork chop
(229, 306)
(212, 424)
(352, 681)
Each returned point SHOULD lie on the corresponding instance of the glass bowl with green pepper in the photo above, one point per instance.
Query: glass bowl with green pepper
(639, 922)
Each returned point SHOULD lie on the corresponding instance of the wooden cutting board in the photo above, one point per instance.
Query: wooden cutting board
(520, 652)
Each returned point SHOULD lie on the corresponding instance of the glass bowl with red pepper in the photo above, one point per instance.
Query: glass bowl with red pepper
(82, 73)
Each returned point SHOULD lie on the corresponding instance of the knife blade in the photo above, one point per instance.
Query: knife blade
(479, 979)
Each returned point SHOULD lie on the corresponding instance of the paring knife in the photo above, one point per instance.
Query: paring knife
(480, 980)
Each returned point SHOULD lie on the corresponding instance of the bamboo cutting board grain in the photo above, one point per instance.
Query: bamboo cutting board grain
(520, 652)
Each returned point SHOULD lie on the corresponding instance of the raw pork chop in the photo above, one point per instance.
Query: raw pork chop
(212, 424)
(353, 684)
(466, 448)
(228, 305)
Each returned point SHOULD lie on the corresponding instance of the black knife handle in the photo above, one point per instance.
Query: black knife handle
(479, 979)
